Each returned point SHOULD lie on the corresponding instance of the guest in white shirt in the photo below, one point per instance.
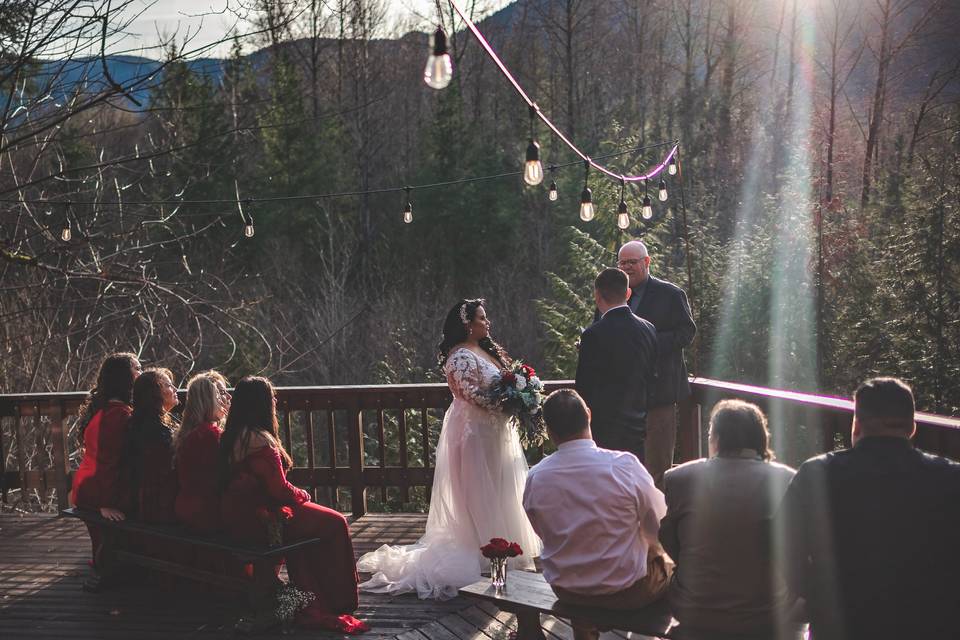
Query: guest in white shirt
(598, 514)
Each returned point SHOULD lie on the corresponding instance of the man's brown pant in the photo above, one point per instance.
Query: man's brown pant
(661, 441)
(641, 593)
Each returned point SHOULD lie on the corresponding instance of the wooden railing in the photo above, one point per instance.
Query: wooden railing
(357, 445)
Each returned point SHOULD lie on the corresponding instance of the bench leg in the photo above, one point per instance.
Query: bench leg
(260, 599)
(528, 626)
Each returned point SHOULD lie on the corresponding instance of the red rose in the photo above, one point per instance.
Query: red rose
(286, 513)
(500, 548)
(528, 371)
(510, 377)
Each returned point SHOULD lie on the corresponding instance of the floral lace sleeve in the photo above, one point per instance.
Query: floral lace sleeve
(466, 380)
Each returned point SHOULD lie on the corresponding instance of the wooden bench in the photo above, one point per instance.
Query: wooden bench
(260, 590)
(528, 595)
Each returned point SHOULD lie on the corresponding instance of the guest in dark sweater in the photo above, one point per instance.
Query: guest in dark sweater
(149, 458)
(873, 529)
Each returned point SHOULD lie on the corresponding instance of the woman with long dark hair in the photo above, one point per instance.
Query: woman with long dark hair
(197, 444)
(98, 484)
(256, 494)
(149, 449)
(479, 478)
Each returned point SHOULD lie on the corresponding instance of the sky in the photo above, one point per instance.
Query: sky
(161, 17)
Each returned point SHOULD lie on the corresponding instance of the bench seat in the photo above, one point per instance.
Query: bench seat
(528, 595)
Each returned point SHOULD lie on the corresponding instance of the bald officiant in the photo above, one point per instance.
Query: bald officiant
(665, 306)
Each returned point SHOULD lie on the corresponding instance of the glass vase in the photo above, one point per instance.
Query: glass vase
(498, 573)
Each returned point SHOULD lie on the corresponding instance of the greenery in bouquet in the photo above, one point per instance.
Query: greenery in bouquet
(519, 392)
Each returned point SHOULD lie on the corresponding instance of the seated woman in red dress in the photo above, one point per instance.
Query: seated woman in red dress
(148, 457)
(98, 484)
(196, 445)
(252, 472)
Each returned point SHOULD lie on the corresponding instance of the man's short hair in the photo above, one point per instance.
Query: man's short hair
(885, 403)
(565, 413)
(736, 425)
(612, 285)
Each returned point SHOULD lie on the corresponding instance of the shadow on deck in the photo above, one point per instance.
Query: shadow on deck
(43, 561)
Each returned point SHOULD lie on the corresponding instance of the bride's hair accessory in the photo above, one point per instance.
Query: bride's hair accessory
(463, 314)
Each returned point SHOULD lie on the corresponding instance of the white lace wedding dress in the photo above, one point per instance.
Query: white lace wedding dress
(477, 493)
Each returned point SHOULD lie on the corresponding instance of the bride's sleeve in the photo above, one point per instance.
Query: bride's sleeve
(463, 376)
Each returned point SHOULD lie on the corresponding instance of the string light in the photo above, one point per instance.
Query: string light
(623, 217)
(586, 196)
(672, 166)
(532, 168)
(67, 233)
(247, 218)
(553, 194)
(408, 209)
(647, 211)
(662, 194)
(439, 70)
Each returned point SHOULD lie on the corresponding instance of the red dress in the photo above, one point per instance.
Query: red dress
(329, 570)
(99, 483)
(198, 502)
(157, 486)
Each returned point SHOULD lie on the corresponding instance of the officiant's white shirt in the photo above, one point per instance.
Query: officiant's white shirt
(597, 511)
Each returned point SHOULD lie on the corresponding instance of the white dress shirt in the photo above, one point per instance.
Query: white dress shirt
(597, 511)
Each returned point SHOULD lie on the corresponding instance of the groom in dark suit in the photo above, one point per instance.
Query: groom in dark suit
(617, 365)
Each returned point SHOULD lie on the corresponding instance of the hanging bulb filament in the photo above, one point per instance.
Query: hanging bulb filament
(672, 166)
(554, 194)
(662, 193)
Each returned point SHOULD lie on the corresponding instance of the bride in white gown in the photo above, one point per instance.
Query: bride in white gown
(479, 478)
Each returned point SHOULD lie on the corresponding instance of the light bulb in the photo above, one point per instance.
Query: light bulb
(248, 230)
(647, 211)
(672, 167)
(623, 217)
(66, 234)
(408, 213)
(662, 194)
(554, 194)
(439, 70)
(586, 205)
(533, 169)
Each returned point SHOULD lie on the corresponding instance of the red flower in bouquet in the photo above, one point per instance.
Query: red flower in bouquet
(528, 371)
(509, 377)
(500, 548)
(286, 513)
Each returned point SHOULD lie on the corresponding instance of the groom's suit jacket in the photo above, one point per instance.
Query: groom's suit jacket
(615, 372)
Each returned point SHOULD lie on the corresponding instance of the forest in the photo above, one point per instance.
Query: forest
(246, 213)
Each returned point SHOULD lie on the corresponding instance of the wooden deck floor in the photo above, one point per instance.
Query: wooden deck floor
(43, 559)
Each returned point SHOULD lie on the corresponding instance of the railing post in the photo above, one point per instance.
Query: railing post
(58, 440)
(20, 438)
(358, 491)
(688, 429)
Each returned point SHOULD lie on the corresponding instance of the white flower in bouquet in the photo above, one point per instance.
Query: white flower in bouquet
(521, 383)
(535, 383)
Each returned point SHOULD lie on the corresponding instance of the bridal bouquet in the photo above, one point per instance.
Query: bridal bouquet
(519, 392)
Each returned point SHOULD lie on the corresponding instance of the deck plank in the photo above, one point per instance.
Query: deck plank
(43, 560)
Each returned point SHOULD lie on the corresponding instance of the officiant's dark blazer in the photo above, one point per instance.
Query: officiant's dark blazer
(665, 305)
(615, 371)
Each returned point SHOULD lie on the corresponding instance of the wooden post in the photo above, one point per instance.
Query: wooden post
(311, 456)
(58, 440)
(688, 429)
(358, 492)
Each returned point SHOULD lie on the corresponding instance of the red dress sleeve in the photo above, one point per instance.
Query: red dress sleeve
(266, 464)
